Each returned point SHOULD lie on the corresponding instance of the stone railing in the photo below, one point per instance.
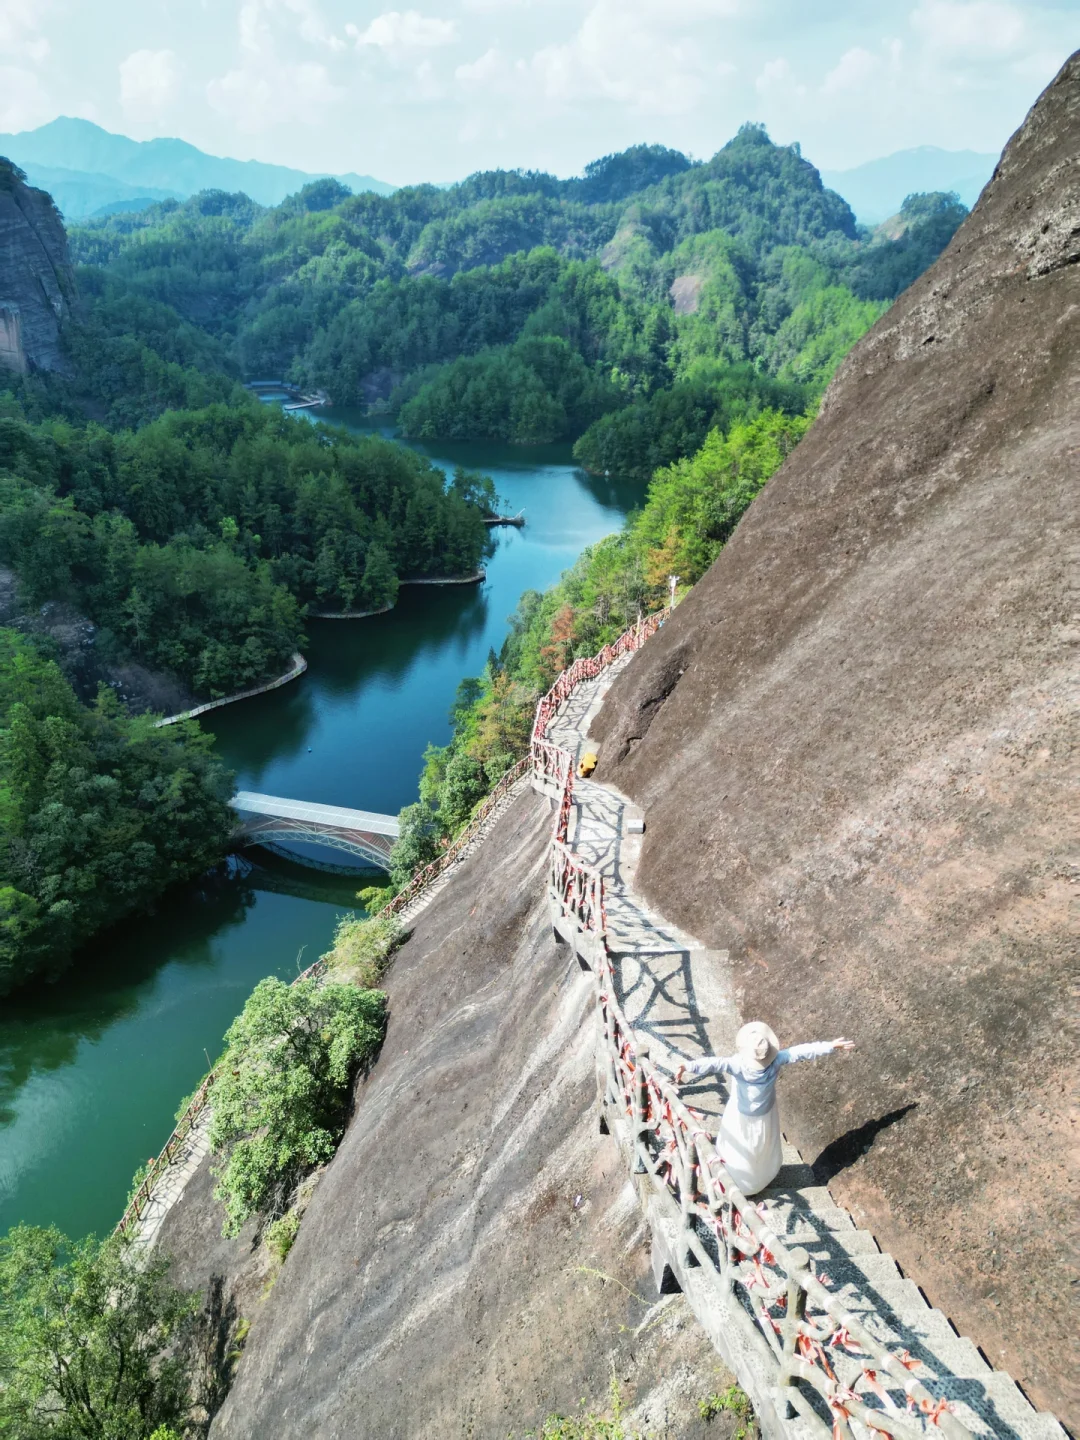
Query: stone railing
(803, 1328)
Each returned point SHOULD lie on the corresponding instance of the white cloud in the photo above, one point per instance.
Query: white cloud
(774, 75)
(625, 52)
(484, 69)
(404, 30)
(263, 91)
(259, 99)
(313, 28)
(20, 26)
(149, 84)
(853, 71)
(968, 28)
(23, 101)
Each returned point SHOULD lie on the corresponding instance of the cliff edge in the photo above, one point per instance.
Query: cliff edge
(855, 746)
(37, 283)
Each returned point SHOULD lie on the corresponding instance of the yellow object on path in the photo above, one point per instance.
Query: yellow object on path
(586, 765)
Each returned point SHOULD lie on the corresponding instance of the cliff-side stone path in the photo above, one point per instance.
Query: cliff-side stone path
(680, 994)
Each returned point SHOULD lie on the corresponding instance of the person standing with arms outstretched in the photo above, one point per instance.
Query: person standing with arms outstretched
(749, 1142)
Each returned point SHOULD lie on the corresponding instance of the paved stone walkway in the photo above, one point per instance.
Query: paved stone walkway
(170, 1187)
(681, 994)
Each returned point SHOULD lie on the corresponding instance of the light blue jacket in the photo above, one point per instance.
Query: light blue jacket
(754, 1087)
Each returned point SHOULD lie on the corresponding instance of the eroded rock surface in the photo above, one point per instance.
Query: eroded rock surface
(855, 745)
(474, 1258)
(37, 283)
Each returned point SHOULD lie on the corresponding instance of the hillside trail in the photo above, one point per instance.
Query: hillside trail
(682, 996)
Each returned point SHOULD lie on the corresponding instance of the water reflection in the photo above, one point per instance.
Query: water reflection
(91, 1069)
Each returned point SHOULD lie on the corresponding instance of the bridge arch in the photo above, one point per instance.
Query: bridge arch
(263, 819)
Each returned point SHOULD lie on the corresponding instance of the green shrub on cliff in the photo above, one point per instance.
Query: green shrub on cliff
(92, 1345)
(363, 947)
(282, 1093)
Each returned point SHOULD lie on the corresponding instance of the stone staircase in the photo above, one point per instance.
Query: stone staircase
(680, 995)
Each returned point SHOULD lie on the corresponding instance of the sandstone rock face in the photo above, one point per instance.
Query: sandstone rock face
(856, 746)
(474, 1257)
(37, 284)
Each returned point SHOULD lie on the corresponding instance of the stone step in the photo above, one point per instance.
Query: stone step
(806, 1197)
(893, 1317)
(822, 1242)
(993, 1406)
(781, 1214)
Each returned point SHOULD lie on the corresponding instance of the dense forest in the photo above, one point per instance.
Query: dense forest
(99, 813)
(196, 540)
(610, 310)
(650, 310)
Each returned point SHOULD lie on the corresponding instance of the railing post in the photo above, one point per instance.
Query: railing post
(689, 1186)
(716, 1213)
(641, 1109)
(793, 1318)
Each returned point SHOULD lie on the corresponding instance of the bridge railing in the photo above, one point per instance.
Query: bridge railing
(804, 1323)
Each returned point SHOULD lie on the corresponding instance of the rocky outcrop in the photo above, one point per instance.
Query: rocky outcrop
(856, 744)
(37, 283)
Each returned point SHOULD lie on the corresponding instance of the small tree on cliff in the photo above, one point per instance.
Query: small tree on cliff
(282, 1092)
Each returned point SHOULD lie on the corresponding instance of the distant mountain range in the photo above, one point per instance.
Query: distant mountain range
(89, 171)
(876, 190)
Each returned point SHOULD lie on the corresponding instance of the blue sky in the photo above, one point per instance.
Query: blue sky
(453, 86)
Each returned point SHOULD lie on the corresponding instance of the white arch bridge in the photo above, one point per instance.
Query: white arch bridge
(266, 819)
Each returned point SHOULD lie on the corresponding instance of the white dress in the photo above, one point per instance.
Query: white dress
(749, 1141)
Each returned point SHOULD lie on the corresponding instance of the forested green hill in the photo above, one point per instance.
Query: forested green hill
(196, 540)
(632, 309)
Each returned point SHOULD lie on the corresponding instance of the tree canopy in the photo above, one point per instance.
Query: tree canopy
(427, 304)
(99, 813)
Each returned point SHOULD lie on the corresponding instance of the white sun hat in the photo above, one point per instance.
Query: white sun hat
(757, 1044)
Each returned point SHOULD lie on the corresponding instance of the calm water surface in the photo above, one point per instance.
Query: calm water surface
(92, 1069)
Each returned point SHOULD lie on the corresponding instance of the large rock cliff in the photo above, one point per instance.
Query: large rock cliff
(855, 745)
(474, 1258)
(37, 284)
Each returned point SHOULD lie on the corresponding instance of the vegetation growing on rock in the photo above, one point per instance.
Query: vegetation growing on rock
(282, 1092)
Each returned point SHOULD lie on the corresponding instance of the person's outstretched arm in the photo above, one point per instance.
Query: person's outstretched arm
(708, 1065)
(813, 1050)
